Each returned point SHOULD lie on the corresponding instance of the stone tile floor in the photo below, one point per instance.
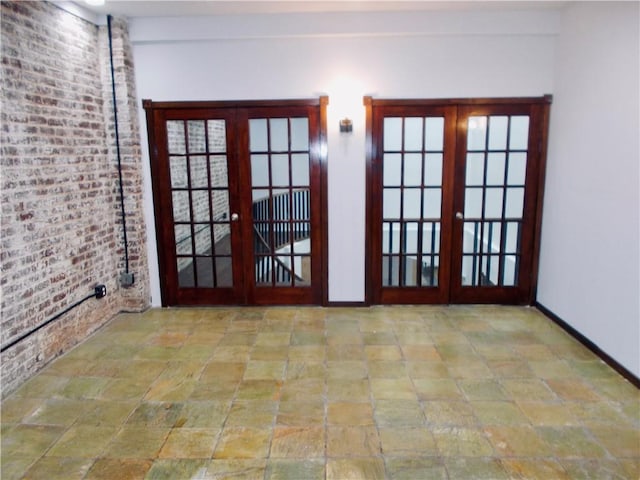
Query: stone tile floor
(335, 394)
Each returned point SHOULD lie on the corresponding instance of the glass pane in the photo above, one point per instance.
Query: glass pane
(218, 171)
(300, 169)
(175, 137)
(471, 237)
(217, 136)
(181, 209)
(220, 205)
(390, 271)
(412, 203)
(280, 204)
(472, 202)
(183, 239)
(430, 238)
(279, 134)
(260, 170)
(258, 135)
(432, 203)
(515, 202)
(493, 203)
(185, 272)
(469, 270)
(391, 203)
(510, 275)
(433, 169)
(200, 200)
(199, 173)
(492, 232)
(434, 134)
(224, 271)
(302, 269)
(390, 237)
(413, 169)
(476, 133)
(413, 134)
(262, 237)
(260, 211)
(392, 131)
(282, 270)
(517, 168)
(301, 204)
(203, 239)
(302, 243)
(512, 237)
(178, 166)
(263, 270)
(519, 134)
(475, 168)
(410, 271)
(498, 132)
(195, 129)
(222, 237)
(493, 269)
(411, 238)
(299, 134)
(391, 169)
(495, 168)
(280, 170)
(204, 267)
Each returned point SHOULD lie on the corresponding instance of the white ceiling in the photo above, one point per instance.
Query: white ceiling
(169, 8)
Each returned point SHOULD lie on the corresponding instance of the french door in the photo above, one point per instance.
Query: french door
(454, 199)
(239, 201)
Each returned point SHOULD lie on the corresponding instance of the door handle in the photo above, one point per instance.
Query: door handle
(235, 217)
(459, 216)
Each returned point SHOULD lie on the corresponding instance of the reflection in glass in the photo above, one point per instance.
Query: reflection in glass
(220, 205)
(199, 173)
(204, 269)
(185, 272)
(178, 166)
(175, 137)
(476, 133)
(224, 275)
(432, 203)
(200, 205)
(219, 177)
(217, 136)
(181, 209)
(203, 239)
(195, 130)
(183, 239)
(279, 134)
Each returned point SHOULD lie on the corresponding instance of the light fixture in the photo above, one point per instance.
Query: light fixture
(346, 125)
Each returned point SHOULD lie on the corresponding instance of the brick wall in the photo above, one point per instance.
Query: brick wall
(60, 226)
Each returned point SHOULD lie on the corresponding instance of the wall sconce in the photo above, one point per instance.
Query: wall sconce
(346, 125)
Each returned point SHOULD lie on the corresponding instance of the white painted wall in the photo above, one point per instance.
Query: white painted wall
(435, 54)
(589, 270)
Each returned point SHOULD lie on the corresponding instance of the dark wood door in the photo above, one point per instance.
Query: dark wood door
(238, 192)
(454, 199)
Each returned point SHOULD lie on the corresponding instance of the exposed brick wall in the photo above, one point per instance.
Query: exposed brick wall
(60, 228)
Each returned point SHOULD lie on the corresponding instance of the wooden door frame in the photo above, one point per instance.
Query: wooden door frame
(540, 107)
(320, 151)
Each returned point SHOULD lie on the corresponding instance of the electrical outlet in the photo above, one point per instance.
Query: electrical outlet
(101, 291)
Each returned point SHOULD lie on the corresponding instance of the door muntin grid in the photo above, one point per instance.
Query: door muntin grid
(280, 157)
(412, 181)
(198, 167)
(494, 192)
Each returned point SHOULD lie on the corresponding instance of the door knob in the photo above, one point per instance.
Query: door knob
(459, 215)
(234, 217)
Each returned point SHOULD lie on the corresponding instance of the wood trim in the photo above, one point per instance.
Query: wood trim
(324, 198)
(369, 200)
(605, 357)
(305, 102)
(542, 166)
(384, 102)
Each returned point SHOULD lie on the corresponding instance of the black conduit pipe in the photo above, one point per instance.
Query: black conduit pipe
(99, 292)
(126, 280)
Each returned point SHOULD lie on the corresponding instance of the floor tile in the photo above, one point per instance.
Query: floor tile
(412, 468)
(53, 468)
(355, 469)
(189, 443)
(297, 442)
(83, 441)
(243, 442)
(169, 469)
(407, 442)
(295, 469)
